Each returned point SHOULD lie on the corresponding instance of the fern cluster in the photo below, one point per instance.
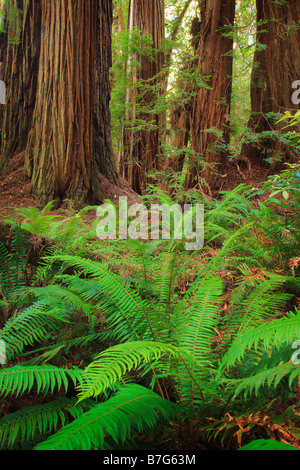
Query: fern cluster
(103, 330)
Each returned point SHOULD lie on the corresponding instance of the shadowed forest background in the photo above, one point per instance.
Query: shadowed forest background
(140, 344)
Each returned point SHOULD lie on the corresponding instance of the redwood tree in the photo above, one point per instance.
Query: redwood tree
(276, 67)
(69, 143)
(103, 152)
(142, 148)
(211, 107)
(21, 61)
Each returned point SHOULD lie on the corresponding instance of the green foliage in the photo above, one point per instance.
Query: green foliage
(69, 230)
(18, 380)
(292, 121)
(109, 367)
(285, 184)
(29, 326)
(12, 269)
(267, 444)
(119, 417)
(25, 424)
(11, 20)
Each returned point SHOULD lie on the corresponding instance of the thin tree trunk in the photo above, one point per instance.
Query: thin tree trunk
(276, 67)
(211, 107)
(181, 117)
(119, 20)
(142, 148)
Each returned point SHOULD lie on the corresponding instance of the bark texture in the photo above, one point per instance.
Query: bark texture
(211, 107)
(21, 62)
(142, 148)
(63, 158)
(276, 67)
(103, 151)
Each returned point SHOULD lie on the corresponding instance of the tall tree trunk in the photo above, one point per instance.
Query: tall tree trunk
(103, 151)
(181, 116)
(211, 108)
(21, 63)
(63, 158)
(142, 148)
(276, 67)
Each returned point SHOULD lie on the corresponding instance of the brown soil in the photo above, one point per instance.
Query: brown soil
(15, 189)
(241, 171)
(15, 186)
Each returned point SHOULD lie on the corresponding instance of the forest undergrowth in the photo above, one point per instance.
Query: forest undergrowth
(96, 331)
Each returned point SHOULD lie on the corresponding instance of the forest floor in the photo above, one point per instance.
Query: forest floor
(15, 191)
(15, 186)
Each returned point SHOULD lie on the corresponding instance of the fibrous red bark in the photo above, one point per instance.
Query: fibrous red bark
(211, 107)
(63, 158)
(21, 62)
(276, 67)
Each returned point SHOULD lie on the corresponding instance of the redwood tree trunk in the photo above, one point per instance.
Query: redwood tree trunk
(211, 108)
(63, 158)
(142, 148)
(276, 67)
(103, 151)
(21, 63)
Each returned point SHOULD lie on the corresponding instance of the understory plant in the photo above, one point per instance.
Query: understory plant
(92, 341)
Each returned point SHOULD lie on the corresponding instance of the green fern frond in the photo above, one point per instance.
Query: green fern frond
(221, 260)
(259, 304)
(18, 380)
(111, 364)
(58, 295)
(12, 268)
(27, 423)
(168, 271)
(264, 336)
(29, 326)
(18, 258)
(4, 269)
(119, 417)
(124, 313)
(122, 305)
(196, 319)
(267, 444)
(269, 378)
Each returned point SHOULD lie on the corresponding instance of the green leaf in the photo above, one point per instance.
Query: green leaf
(267, 444)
